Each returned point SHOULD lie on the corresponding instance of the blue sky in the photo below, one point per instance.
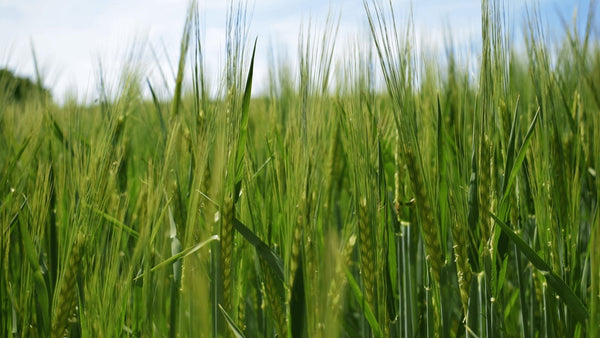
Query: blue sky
(71, 37)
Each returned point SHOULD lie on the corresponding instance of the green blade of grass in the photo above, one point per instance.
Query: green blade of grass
(298, 303)
(473, 206)
(364, 305)
(516, 167)
(177, 270)
(241, 146)
(159, 113)
(555, 282)
(13, 162)
(115, 221)
(510, 154)
(263, 250)
(175, 247)
(185, 41)
(237, 332)
(442, 176)
(180, 255)
(59, 133)
(41, 290)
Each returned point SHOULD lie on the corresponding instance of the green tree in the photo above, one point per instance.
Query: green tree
(19, 89)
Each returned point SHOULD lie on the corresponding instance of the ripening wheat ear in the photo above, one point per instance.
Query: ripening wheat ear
(67, 299)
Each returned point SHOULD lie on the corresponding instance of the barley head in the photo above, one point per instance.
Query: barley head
(426, 216)
(485, 195)
(459, 236)
(274, 299)
(227, 251)
(367, 251)
(67, 299)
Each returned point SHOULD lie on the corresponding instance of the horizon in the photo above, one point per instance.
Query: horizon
(73, 41)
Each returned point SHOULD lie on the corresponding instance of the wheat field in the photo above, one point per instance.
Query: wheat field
(438, 204)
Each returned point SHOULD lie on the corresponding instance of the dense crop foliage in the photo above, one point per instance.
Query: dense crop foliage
(444, 205)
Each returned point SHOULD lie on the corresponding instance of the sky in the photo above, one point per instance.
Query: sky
(72, 39)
